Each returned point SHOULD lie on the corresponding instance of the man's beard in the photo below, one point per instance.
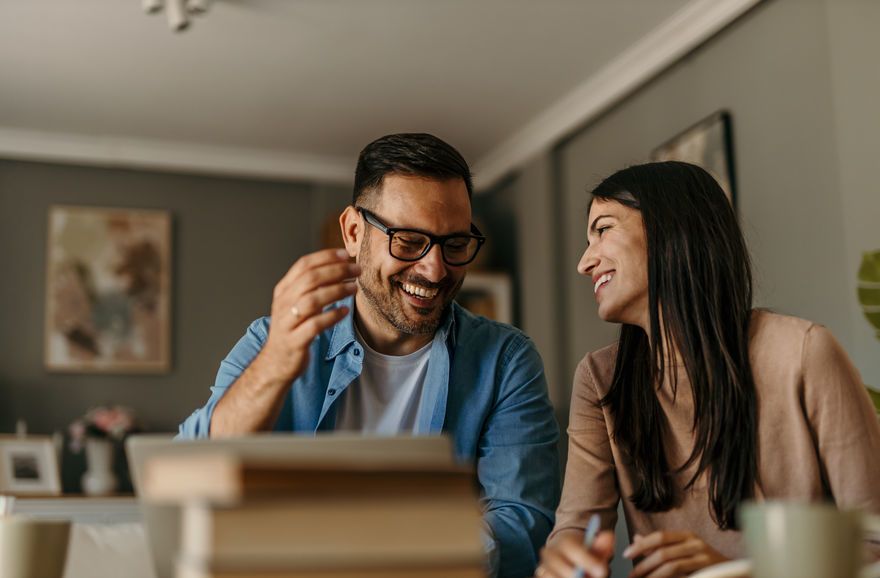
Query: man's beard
(387, 302)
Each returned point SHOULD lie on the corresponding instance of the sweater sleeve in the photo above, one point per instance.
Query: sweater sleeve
(590, 485)
(843, 421)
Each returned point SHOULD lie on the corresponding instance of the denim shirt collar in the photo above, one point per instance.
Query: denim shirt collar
(343, 332)
(432, 409)
(343, 335)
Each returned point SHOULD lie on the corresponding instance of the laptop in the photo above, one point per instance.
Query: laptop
(162, 522)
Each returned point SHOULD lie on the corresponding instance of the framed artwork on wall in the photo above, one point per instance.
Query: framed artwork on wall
(28, 465)
(108, 290)
(708, 144)
(488, 294)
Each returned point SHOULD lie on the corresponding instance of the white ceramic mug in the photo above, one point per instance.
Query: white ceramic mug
(33, 548)
(785, 539)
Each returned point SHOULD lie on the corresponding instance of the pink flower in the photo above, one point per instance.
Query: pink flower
(114, 422)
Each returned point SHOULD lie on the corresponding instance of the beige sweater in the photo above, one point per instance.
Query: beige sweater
(818, 436)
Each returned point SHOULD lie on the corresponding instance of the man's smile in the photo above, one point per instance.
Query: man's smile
(418, 291)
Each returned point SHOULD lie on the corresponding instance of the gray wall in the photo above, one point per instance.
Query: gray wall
(855, 75)
(801, 81)
(232, 240)
(532, 206)
(771, 70)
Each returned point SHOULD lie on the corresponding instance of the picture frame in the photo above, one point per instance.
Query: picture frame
(108, 290)
(488, 294)
(708, 144)
(29, 466)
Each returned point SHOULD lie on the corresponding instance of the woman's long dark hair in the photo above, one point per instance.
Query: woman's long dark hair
(700, 291)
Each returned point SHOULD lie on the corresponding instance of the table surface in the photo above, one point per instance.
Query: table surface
(108, 551)
(107, 538)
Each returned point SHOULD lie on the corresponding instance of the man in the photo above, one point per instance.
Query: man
(378, 345)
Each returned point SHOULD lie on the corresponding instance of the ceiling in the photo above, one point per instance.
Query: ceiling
(295, 88)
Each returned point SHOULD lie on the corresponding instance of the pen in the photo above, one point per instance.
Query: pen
(589, 538)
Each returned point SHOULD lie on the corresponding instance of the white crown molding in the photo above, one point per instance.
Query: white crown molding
(685, 30)
(111, 151)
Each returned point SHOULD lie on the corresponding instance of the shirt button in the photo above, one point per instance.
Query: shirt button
(357, 352)
(331, 392)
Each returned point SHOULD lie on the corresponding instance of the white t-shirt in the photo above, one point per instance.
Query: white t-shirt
(385, 398)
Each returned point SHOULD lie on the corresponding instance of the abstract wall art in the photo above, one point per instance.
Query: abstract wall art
(108, 290)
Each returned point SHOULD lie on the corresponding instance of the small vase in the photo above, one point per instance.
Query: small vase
(99, 479)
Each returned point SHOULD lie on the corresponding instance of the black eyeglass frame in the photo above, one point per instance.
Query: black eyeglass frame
(373, 220)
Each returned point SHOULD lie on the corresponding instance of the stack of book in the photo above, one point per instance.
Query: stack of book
(320, 519)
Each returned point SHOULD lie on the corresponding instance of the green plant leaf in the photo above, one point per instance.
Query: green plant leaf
(875, 397)
(869, 288)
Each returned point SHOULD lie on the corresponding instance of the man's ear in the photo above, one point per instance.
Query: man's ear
(352, 230)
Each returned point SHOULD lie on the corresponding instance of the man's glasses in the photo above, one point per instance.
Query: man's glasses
(412, 245)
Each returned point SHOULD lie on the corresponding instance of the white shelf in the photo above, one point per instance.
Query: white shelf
(79, 509)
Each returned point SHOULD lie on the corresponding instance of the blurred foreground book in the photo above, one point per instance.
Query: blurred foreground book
(320, 518)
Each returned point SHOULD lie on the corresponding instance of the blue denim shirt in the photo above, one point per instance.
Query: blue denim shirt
(485, 387)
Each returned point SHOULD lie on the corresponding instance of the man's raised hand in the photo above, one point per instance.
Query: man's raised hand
(298, 302)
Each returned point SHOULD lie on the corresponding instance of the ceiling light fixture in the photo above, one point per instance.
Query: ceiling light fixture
(177, 11)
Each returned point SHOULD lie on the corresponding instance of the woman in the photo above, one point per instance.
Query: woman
(703, 402)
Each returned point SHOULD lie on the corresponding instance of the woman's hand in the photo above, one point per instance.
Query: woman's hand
(565, 556)
(670, 554)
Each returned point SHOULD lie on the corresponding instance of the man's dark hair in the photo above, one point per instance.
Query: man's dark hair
(700, 292)
(410, 154)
